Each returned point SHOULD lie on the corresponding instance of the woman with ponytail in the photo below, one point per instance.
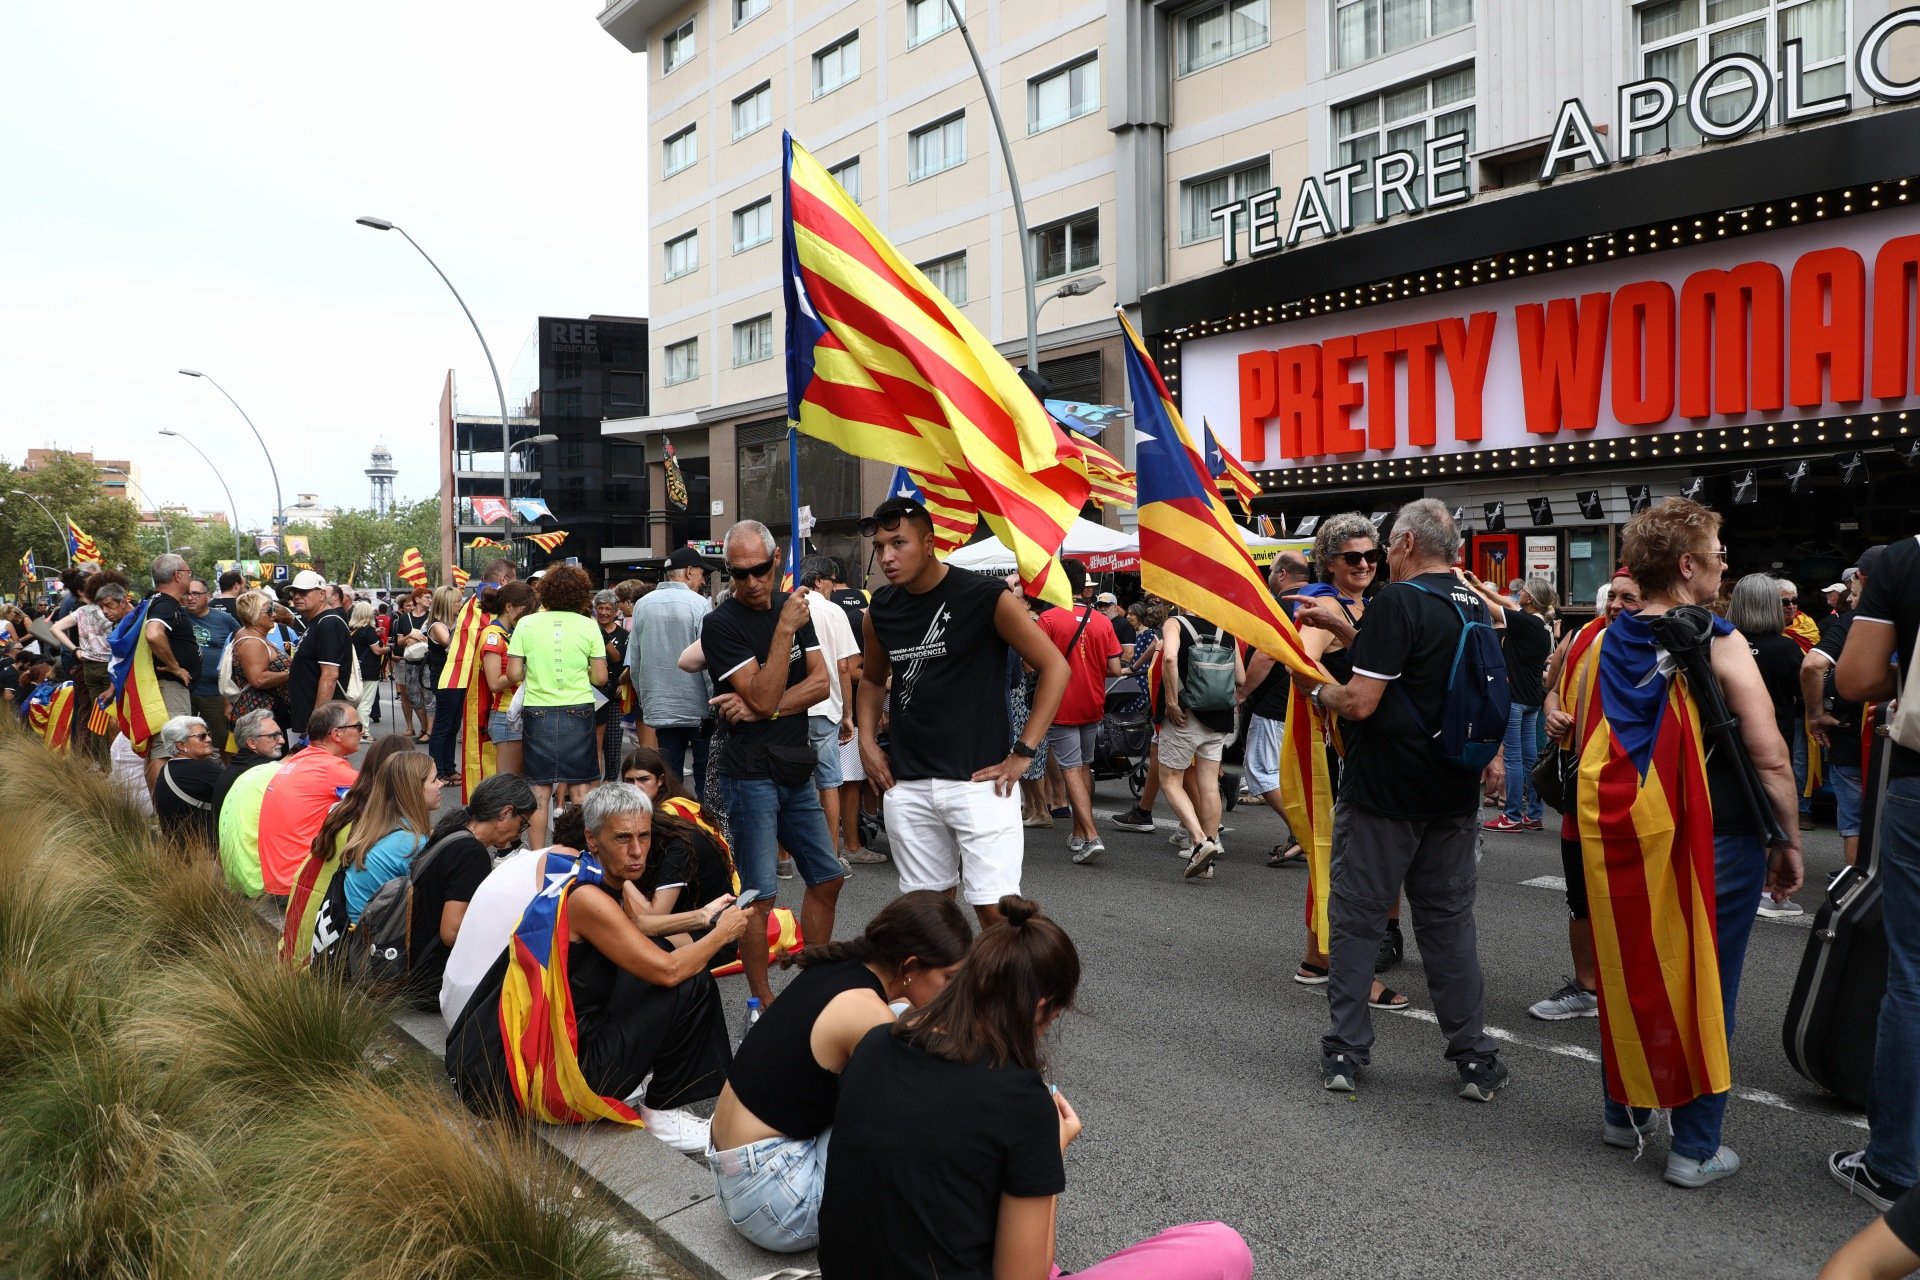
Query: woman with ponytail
(768, 1149)
(949, 1145)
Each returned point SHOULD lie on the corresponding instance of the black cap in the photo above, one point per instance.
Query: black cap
(686, 558)
(1870, 559)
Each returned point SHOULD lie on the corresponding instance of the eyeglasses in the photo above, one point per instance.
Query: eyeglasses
(356, 726)
(1355, 559)
(760, 570)
(200, 592)
(869, 526)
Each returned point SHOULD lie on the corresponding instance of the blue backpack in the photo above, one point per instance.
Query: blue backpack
(1473, 719)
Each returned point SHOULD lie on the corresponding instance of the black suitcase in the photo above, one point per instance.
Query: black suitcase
(1833, 1016)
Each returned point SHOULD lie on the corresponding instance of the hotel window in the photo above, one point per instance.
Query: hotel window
(1199, 197)
(847, 174)
(1678, 37)
(937, 147)
(1211, 33)
(753, 225)
(1402, 119)
(1367, 29)
(753, 340)
(949, 276)
(683, 255)
(679, 151)
(676, 48)
(752, 111)
(745, 11)
(836, 64)
(1064, 94)
(683, 361)
(927, 19)
(1069, 246)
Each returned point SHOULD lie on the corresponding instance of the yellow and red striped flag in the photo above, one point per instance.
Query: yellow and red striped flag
(880, 364)
(953, 516)
(1108, 476)
(1227, 471)
(50, 714)
(461, 577)
(80, 545)
(548, 541)
(480, 543)
(413, 568)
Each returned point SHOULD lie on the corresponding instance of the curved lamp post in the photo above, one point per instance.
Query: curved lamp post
(165, 431)
(279, 511)
(59, 528)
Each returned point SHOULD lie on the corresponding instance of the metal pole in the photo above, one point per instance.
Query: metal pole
(279, 521)
(165, 532)
(1013, 186)
(65, 544)
(223, 484)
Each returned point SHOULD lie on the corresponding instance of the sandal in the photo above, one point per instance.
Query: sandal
(1389, 1000)
(424, 738)
(1310, 975)
(1286, 855)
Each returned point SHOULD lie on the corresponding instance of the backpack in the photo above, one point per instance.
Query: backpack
(1473, 718)
(375, 952)
(1208, 683)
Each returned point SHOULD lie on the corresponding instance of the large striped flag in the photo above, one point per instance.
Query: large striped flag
(50, 714)
(953, 516)
(1110, 480)
(1228, 472)
(537, 1026)
(548, 541)
(134, 695)
(1646, 839)
(413, 568)
(880, 364)
(462, 671)
(80, 545)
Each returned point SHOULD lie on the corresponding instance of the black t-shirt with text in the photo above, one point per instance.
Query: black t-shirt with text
(733, 635)
(454, 875)
(929, 1209)
(1407, 638)
(173, 615)
(1893, 596)
(327, 642)
(948, 705)
(1526, 644)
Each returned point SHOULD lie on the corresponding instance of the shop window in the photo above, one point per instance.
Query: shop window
(847, 174)
(1402, 119)
(949, 276)
(683, 255)
(679, 151)
(1209, 34)
(829, 479)
(1678, 37)
(677, 48)
(936, 148)
(683, 361)
(1199, 197)
(836, 64)
(927, 19)
(753, 225)
(1068, 246)
(1064, 94)
(1368, 29)
(752, 111)
(753, 340)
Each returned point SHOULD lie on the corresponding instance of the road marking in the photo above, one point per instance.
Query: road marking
(1556, 883)
(1559, 885)
(1584, 1054)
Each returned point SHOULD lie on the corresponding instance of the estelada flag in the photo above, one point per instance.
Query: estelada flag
(413, 568)
(138, 707)
(80, 545)
(548, 541)
(1646, 841)
(50, 714)
(1228, 472)
(676, 482)
(880, 364)
(953, 516)
(537, 1026)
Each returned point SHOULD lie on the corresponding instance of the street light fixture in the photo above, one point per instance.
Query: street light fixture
(1078, 287)
(165, 431)
(59, 529)
(279, 511)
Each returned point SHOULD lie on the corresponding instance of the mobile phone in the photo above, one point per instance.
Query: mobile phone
(747, 899)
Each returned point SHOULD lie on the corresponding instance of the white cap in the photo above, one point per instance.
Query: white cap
(306, 580)
(1834, 586)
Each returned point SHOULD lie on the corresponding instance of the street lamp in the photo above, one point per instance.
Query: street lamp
(1078, 287)
(165, 532)
(279, 511)
(223, 484)
(59, 529)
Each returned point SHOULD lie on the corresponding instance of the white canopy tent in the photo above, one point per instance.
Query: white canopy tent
(1103, 550)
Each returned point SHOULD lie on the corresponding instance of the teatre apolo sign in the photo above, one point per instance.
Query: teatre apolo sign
(1799, 323)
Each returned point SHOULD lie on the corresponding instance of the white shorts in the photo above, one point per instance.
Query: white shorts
(1179, 746)
(947, 833)
(851, 770)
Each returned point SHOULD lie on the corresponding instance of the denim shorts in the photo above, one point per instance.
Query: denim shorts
(823, 735)
(1845, 781)
(502, 727)
(771, 1190)
(1262, 768)
(765, 817)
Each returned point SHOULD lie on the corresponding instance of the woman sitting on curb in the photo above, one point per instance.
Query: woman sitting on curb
(773, 1122)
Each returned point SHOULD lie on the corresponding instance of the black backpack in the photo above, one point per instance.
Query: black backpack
(376, 951)
(1473, 718)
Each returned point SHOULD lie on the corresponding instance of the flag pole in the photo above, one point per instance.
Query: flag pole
(793, 497)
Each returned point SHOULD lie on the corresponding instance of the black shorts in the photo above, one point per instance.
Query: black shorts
(1574, 867)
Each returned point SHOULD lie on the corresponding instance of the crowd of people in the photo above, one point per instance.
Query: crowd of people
(567, 918)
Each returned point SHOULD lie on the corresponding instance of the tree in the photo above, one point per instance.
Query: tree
(364, 549)
(68, 486)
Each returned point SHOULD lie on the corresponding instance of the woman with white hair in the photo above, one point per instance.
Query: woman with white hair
(369, 653)
(183, 784)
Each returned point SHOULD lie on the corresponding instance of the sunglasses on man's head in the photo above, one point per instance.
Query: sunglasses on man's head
(869, 526)
(1355, 559)
(760, 570)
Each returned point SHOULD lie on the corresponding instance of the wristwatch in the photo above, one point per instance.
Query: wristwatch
(1023, 750)
(1314, 698)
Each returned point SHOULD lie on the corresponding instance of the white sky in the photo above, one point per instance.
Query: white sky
(178, 184)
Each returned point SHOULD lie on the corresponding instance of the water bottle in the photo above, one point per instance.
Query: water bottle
(753, 1016)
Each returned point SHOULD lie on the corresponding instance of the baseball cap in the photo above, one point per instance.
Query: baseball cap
(1834, 586)
(686, 558)
(306, 580)
(1106, 597)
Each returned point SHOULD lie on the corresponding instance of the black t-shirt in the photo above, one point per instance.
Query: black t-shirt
(775, 1074)
(197, 779)
(1269, 700)
(855, 606)
(948, 706)
(1123, 628)
(171, 614)
(929, 1209)
(1843, 739)
(733, 635)
(454, 875)
(326, 641)
(1407, 637)
(231, 774)
(1893, 596)
(693, 859)
(223, 603)
(1778, 658)
(1526, 644)
(363, 642)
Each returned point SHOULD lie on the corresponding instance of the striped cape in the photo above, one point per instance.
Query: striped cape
(1646, 837)
(462, 671)
(133, 695)
(50, 714)
(537, 1025)
(304, 900)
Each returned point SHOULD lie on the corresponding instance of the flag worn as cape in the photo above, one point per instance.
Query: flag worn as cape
(1646, 837)
(133, 695)
(462, 671)
(50, 714)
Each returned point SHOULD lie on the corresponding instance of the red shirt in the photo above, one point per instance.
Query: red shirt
(297, 800)
(1086, 698)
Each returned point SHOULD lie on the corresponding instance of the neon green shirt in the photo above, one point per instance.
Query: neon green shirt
(557, 648)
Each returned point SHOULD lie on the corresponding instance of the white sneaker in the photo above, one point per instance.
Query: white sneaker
(1780, 910)
(679, 1128)
(1180, 841)
(1202, 860)
(1089, 850)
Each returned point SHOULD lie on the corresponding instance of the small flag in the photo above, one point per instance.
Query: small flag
(1496, 514)
(266, 544)
(1746, 487)
(480, 543)
(1263, 525)
(413, 568)
(1306, 527)
(1590, 508)
(80, 545)
(1694, 489)
(1797, 476)
(1853, 468)
(533, 509)
(676, 482)
(28, 570)
(1227, 471)
(487, 510)
(1911, 456)
(1639, 497)
(1541, 509)
(548, 541)
(460, 577)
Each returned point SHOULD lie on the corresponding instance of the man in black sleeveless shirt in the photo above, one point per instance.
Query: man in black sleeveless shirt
(936, 649)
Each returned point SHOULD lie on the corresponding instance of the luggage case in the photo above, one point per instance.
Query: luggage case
(1834, 1014)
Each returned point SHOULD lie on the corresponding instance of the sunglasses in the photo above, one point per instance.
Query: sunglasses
(760, 570)
(869, 526)
(1792, 602)
(1355, 559)
(199, 737)
(356, 726)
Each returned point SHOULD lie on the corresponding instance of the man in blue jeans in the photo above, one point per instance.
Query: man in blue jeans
(1526, 644)
(1885, 624)
(1834, 721)
(766, 662)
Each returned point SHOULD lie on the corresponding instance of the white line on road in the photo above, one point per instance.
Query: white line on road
(1559, 885)
(1584, 1054)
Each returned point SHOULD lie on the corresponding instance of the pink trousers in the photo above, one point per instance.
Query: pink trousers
(1193, 1251)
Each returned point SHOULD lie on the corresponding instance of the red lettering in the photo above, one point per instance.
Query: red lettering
(1297, 400)
(1419, 341)
(1896, 272)
(1467, 345)
(1259, 397)
(1731, 334)
(1339, 395)
(1377, 349)
(1829, 316)
(1562, 356)
(1643, 353)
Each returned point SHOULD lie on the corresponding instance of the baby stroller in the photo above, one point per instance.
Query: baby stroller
(1124, 738)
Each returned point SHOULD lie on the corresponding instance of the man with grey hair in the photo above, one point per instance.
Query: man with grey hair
(169, 628)
(765, 658)
(1404, 816)
(673, 703)
(183, 787)
(259, 741)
